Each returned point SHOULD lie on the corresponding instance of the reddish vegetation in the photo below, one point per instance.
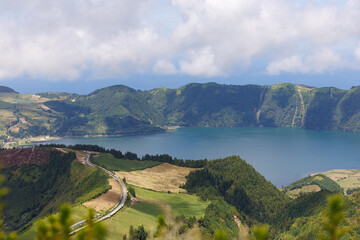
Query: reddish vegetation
(17, 157)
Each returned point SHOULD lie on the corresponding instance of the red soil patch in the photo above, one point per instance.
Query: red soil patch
(18, 157)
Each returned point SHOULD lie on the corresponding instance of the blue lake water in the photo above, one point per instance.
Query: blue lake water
(282, 155)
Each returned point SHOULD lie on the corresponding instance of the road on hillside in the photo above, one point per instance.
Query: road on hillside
(99, 217)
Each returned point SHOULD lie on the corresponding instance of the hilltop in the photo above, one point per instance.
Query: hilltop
(4, 89)
(120, 110)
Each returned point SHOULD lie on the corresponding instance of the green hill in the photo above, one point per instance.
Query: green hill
(312, 183)
(119, 110)
(231, 182)
(4, 89)
(242, 186)
(39, 188)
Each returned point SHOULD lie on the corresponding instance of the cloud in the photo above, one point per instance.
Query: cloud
(62, 39)
(164, 67)
(201, 63)
(357, 52)
(318, 62)
(65, 39)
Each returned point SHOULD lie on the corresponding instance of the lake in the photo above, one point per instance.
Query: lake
(282, 155)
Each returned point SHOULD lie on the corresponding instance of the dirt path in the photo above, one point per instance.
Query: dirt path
(106, 200)
(261, 100)
(296, 109)
(302, 108)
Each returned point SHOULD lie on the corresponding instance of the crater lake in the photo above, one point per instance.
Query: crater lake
(282, 155)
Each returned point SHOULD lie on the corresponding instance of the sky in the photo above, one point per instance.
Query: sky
(80, 46)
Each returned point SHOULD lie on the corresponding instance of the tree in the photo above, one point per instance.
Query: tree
(138, 234)
(55, 227)
(334, 217)
(261, 232)
(3, 236)
(132, 191)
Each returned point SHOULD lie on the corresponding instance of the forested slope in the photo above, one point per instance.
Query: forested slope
(40, 187)
(119, 110)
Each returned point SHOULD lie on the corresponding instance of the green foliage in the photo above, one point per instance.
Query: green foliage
(138, 233)
(3, 192)
(242, 186)
(132, 191)
(217, 210)
(320, 180)
(187, 223)
(55, 227)
(322, 108)
(161, 226)
(311, 226)
(307, 205)
(42, 189)
(261, 232)
(335, 216)
(58, 227)
(93, 231)
(119, 110)
(220, 235)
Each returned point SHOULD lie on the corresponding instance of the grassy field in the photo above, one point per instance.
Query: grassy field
(144, 211)
(141, 213)
(110, 162)
(180, 203)
(149, 206)
(164, 177)
(78, 213)
(346, 178)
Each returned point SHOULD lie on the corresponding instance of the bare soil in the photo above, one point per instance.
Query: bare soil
(106, 200)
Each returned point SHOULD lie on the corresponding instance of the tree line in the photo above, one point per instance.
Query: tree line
(163, 158)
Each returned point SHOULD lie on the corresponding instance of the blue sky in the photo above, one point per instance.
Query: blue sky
(79, 46)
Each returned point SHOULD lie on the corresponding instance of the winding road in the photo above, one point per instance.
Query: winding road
(99, 217)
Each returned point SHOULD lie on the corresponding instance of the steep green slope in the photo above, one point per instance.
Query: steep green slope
(208, 104)
(119, 110)
(242, 186)
(258, 201)
(109, 111)
(39, 189)
(308, 184)
(322, 108)
(309, 225)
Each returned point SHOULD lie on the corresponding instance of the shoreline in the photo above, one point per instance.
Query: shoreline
(43, 139)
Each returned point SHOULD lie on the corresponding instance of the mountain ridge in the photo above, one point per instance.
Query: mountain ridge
(121, 110)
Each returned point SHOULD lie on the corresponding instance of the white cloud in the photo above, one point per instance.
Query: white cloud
(63, 39)
(315, 63)
(164, 67)
(201, 63)
(357, 52)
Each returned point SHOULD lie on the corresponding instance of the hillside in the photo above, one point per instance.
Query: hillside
(244, 194)
(41, 179)
(241, 198)
(120, 110)
(313, 183)
(242, 186)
